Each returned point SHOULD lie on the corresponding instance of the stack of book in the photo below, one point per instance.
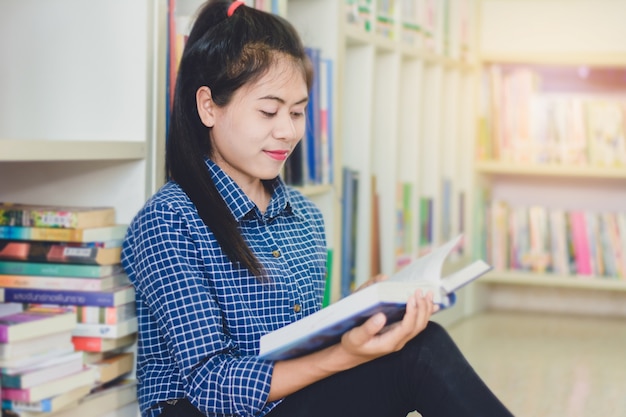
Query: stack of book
(38, 359)
(66, 259)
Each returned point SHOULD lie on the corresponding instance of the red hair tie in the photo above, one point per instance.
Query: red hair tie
(233, 7)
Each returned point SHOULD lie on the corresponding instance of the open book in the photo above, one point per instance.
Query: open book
(325, 327)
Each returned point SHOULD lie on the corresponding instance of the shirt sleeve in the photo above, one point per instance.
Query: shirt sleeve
(169, 279)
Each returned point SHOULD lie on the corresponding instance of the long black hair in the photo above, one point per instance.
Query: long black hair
(223, 53)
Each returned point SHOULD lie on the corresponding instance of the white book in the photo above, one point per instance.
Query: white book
(42, 372)
(52, 404)
(325, 327)
(106, 331)
(86, 376)
(37, 345)
(32, 359)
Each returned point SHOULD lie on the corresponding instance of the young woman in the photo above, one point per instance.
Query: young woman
(225, 252)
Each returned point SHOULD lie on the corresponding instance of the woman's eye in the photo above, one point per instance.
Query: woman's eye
(297, 114)
(268, 114)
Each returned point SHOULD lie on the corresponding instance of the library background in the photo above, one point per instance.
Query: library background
(503, 120)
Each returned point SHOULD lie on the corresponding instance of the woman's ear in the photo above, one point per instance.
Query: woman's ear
(205, 106)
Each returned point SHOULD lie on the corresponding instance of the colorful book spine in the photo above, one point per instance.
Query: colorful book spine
(46, 371)
(106, 315)
(581, 243)
(93, 253)
(328, 288)
(113, 367)
(106, 298)
(84, 377)
(58, 270)
(47, 405)
(312, 136)
(349, 223)
(30, 324)
(326, 120)
(98, 344)
(51, 234)
(55, 216)
(106, 331)
(96, 315)
(64, 283)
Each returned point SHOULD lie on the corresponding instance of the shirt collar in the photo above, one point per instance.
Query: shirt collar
(240, 204)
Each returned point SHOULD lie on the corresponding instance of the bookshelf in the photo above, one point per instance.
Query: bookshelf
(526, 165)
(76, 123)
(77, 114)
(405, 108)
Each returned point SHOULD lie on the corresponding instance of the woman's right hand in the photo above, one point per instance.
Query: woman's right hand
(359, 345)
(372, 339)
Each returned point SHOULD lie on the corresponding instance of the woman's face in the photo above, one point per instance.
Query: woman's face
(254, 134)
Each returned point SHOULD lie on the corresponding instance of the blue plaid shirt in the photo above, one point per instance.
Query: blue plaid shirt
(200, 318)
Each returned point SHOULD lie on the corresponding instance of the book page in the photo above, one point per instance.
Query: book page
(465, 275)
(428, 267)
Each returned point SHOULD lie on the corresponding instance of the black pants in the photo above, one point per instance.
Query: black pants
(429, 375)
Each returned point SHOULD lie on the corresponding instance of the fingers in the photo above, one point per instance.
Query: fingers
(419, 309)
(373, 339)
(362, 334)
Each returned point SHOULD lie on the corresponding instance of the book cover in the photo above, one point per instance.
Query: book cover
(325, 327)
(100, 344)
(42, 372)
(93, 314)
(312, 137)
(617, 251)
(326, 119)
(85, 376)
(10, 308)
(105, 298)
(558, 241)
(607, 245)
(113, 367)
(33, 359)
(52, 234)
(49, 405)
(92, 253)
(32, 215)
(426, 224)
(106, 331)
(328, 287)
(349, 224)
(580, 242)
(105, 315)
(34, 346)
(58, 269)
(64, 283)
(99, 402)
(30, 324)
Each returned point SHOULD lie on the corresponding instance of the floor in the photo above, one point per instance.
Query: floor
(546, 365)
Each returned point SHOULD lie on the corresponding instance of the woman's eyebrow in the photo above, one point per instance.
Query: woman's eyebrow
(282, 101)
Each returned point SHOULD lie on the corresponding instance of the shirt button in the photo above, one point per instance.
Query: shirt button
(297, 308)
(276, 253)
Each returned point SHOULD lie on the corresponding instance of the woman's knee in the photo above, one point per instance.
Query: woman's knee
(435, 333)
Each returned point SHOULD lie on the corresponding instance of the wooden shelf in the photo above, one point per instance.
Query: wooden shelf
(312, 190)
(70, 150)
(509, 168)
(356, 37)
(549, 280)
(584, 59)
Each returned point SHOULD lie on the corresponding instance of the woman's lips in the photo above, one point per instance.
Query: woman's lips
(278, 155)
